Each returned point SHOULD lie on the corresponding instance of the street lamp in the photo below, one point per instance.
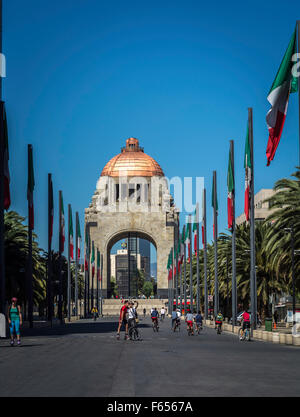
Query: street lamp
(291, 231)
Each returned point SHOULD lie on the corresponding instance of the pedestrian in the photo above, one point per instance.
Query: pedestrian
(94, 313)
(123, 319)
(144, 311)
(14, 316)
(275, 317)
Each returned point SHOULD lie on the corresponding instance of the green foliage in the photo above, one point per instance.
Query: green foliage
(147, 289)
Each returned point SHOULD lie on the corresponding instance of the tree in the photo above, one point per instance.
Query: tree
(16, 258)
(148, 289)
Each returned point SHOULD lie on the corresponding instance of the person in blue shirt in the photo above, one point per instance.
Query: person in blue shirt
(199, 320)
(154, 316)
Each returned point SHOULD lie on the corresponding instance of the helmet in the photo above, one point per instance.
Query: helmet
(14, 299)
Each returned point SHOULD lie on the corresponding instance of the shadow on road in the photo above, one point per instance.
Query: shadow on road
(80, 327)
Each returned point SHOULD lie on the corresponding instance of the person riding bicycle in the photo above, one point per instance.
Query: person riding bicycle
(173, 317)
(144, 312)
(154, 316)
(199, 320)
(245, 321)
(189, 321)
(219, 320)
(162, 313)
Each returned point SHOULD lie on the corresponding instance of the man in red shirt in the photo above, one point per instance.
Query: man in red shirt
(246, 320)
(123, 320)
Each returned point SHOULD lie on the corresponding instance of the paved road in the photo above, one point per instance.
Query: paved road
(85, 359)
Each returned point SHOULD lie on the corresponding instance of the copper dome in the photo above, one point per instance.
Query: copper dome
(132, 162)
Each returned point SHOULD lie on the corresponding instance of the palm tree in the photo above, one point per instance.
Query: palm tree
(16, 256)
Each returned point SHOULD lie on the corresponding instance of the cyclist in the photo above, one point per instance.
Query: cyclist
(245, 321)
(198, 320)
(219, 320)
(94, 313)
(144, 311)
(162, 313)
(14, 320)
(123, 320)
(189, 321)
(154, 316)
(173, 317)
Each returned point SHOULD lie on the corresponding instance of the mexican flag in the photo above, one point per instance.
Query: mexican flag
(78, 237)
(51, 210)
(169, 266)
(62, 224)
(247, 166)
(195, 230)
(7, 201)
(187, 241)
(30, 188)
(182, 247)
(93, 259)
(86, 265)
(284, 84)
(230, 191)
(71, 235)
(98, 266)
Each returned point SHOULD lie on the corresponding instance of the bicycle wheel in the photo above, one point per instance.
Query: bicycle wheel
(247, 335)
(241, 334)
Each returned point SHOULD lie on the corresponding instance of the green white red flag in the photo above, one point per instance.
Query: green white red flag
(71, 235)
(93, 259)
(30, 188)
(7, 200)
(62, 236)
(170, 265)
(195, 229)
(86, 257)
(230, 191)
(78, 238)
(182, 246)
(247, 166)
(188, 241)
(284, 84)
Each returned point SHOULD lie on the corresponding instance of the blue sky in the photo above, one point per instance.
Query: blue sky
(84, 75)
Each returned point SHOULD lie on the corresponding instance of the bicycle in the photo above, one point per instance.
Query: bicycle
(190, 330)
(199, 328)
(244, 334)
(176, 325)
(134, 333)
(219, 328)
(155, 326)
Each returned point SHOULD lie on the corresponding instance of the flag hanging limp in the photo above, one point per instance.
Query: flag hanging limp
(284, 84)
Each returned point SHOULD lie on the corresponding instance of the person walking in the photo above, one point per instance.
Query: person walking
(94, 313)
(14, 317)
(123, 320)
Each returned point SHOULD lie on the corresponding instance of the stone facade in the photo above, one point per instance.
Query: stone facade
(139, 205)
(262, 208)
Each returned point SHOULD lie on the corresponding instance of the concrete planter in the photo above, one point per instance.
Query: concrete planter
(259, 334)
(270, 336)
(236, 329)
(282, 338)
(289, 339)
(296, 340)
(275, 337)
(265, 335)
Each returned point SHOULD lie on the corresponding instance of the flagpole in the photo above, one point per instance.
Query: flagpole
(184, 272)
(97, 304)
(49, 280)
(180, 279)
(197, 258)
(60, 315)
(298, 50)
(101, 277)
(252, 228)
(205, 256)
(233, 248)
(2, 258)
(76, 263)
(29, 270)
(216, 303)
(69, 269)
(191, 266)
